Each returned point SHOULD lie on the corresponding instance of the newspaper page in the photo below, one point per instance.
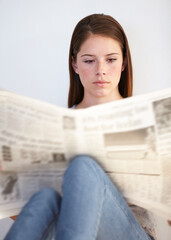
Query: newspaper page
(130, 139)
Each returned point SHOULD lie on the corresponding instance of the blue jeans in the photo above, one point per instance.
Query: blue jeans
(91, 208)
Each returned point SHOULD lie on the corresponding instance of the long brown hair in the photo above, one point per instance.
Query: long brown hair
(102, 25)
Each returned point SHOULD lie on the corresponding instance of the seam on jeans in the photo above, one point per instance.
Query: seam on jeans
(125, 213)
(49, 225)
(91, 164)
(99, 216)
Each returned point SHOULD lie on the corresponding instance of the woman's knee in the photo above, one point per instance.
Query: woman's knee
(46, 195)
(83, 167)
(82, 161)
(46, 192)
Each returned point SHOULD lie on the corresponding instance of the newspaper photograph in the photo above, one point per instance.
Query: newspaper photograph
(130, 139)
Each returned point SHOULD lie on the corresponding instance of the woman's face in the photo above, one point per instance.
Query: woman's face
(99, 65)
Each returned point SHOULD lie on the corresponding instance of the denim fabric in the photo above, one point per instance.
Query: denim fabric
(37, 217)
(91, 208)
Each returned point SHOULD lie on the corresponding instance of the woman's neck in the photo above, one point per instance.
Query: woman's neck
(88, 102)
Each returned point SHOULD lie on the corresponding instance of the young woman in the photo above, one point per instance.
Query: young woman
(90, 207)
(99, 50)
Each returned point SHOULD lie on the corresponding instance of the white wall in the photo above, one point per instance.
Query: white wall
(35, 36)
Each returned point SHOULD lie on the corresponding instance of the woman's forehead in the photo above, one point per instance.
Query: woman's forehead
(100, 43)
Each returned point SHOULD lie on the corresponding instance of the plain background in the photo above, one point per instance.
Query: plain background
(34, 45)
(35, 37)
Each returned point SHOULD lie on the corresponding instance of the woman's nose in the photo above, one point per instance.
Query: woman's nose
(100, 70)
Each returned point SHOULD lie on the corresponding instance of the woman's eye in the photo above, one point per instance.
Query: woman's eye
(89, 61)
(110, 60)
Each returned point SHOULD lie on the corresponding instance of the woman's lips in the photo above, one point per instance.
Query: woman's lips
(100, 83)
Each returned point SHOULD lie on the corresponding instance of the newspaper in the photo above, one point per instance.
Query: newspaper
(130, 139)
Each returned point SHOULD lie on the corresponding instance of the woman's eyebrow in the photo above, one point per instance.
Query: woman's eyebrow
(87, 55)
(91, 55)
